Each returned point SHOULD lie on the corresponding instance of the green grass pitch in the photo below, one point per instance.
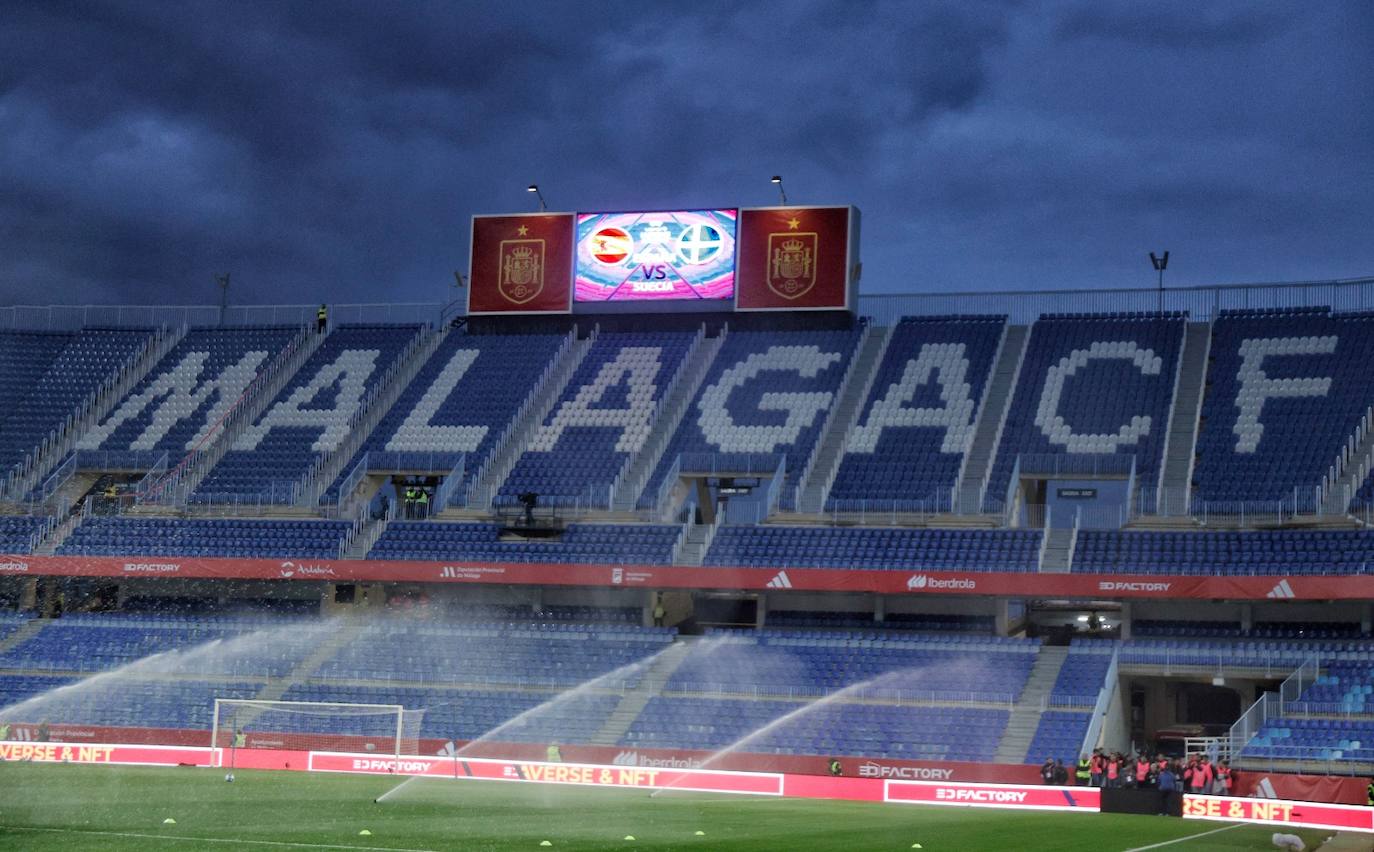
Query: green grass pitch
(46, 807)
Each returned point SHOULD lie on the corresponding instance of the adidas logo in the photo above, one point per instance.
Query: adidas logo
(1282, 590)
(1265, 789)
(779, 581)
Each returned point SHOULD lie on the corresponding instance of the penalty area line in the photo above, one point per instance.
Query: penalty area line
(1186, 839)
(282, 843)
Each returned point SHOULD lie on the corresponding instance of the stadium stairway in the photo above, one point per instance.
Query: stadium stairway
(1175, 481)
(1025, 716)
(58, 534)
(1342, 491)
(632, 703)
(825, 462)
(1057, 553)
(392, 384)
(665, 426)
(280, 372)
(24, 633)
(691, 550)
(503, 458)
(98, 405)
(348, 627)
(991, 418)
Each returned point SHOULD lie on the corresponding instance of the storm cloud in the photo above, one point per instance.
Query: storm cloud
(336, 151)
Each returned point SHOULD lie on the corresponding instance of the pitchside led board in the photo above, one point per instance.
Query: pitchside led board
(763, 259)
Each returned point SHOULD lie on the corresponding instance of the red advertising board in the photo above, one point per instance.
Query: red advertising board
(995, 796)
(1335, 789)
(104, 753)
(521, 264)
(886, 582)
(797, 258)
(1279, 812)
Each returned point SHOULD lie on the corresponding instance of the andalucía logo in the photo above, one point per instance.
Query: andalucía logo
(291, 569)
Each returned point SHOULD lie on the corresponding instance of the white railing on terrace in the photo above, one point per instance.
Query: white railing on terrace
(1336, 471)
(557, 365)
(58, 317)
(369, 411)
(1201, 303)
(1302, 502)
(827, 424)
(1301, 678)
(996, 446)
(1308, 760)
(687, 365)
(877, 694)
(659, 439)
(174, 488)
(60, 440)
(1267, 707)
(1101, 704)
(666, 486)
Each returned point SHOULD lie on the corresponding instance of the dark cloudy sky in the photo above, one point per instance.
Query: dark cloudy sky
(337, 150)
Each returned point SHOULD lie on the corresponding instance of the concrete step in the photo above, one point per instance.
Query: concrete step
(830, 450)
(1175, 478)
(1025, 716)
(633, 702)
(992, 413)
(26, 631)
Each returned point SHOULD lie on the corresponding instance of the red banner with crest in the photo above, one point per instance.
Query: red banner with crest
(521, 264)
(795, 258)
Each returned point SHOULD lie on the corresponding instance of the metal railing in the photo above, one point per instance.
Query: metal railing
(1076, 464)
(1200, 303)
(748, 464)
(1267, 707)
(450, 490)
(368, 412)
(174, 488)
(59, 317)
(689, 364)
(1101, 704)
(1307, 760)
(559, 365)
(666, 486)
(62, 438)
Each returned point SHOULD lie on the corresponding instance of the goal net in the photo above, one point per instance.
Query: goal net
(388, 730)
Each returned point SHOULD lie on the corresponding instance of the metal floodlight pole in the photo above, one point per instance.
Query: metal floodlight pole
(1160, 263)
(534, 187)
(782, 193)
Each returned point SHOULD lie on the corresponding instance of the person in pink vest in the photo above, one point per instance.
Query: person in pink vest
(1114, 771)
(1142, 770)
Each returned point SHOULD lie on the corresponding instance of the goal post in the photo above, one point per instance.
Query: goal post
(388, 730)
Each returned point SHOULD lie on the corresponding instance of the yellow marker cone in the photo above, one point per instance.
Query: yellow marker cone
(545, 843)
(364, 833)
(917, 846)
(169, 821)
(629, 837)
(701, 834)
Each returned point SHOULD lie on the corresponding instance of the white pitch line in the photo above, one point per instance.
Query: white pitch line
(1186, 839)
(212, 839)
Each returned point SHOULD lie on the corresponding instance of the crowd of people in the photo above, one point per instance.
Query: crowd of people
(1112, 770)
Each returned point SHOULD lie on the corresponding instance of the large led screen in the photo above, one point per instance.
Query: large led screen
(679, 255)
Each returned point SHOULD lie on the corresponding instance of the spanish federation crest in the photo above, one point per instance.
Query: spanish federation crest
(792, 263)
(522, 269)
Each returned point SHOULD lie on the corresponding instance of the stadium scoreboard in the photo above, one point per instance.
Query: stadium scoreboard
(717, 259)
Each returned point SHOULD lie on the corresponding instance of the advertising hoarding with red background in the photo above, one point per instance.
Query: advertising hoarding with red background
(521, 264)
(796, 258)
(884, 582)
